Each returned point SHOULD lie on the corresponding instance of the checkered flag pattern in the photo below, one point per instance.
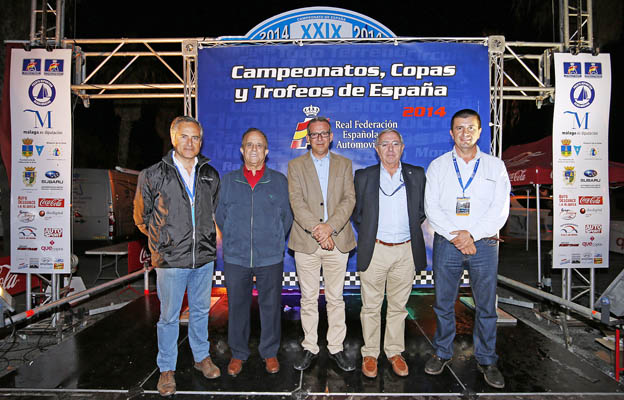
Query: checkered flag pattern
(218, 279)
(352, 279)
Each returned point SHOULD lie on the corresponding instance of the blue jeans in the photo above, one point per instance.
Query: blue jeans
(448, 266)
(171, 283)
(239, 282)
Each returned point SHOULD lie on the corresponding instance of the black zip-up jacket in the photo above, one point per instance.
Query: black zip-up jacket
(162, 211)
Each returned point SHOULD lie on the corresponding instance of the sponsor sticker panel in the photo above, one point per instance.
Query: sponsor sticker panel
(580, 161)
(41, 160)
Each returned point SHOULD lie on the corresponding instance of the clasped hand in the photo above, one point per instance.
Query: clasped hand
(464, 242)
(322, 234)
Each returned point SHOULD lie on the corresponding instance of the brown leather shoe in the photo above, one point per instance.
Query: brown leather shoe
(235, 366)
(166, 383)
(399, 366)
(272, 365)
(207, 368)
(369, 367)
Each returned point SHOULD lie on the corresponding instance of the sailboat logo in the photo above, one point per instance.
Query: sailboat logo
(42, 92)
(582, 94)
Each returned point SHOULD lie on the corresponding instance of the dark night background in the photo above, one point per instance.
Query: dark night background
(96, 128)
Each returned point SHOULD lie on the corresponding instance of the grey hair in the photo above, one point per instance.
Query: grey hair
(386, 131)
(184, 118)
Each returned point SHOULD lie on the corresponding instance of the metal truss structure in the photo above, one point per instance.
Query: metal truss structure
(101, 63)
(518, 70)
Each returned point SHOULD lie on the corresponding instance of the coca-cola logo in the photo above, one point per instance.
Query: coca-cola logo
(9, 281)
(15, 283)
(145, 256)
(518, 176)
(47, 202)
(590, 200)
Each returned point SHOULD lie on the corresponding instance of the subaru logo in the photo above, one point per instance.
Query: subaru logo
(590, 173)
(56, 174)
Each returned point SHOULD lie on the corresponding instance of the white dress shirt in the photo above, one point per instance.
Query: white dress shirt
(189, 179)
(488, 193)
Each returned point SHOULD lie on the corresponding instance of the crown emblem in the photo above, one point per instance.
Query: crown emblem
(566, 142)
(311, 111)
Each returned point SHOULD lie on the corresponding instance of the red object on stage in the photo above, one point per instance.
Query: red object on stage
(138, 255)
(15, 283)
(618, 369)
(138, 258)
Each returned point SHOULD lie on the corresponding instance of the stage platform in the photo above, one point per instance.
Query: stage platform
(115, 359)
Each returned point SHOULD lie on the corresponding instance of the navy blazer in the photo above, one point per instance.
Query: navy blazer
(366, 214)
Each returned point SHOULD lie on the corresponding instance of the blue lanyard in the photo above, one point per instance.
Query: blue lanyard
(190, 193)
(474, 172)
(395, 190)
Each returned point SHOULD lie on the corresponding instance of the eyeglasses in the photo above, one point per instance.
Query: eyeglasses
(385, 144)
(315, 135)
(195, 139)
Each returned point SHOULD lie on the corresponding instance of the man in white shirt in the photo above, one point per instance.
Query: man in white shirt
(466, 203)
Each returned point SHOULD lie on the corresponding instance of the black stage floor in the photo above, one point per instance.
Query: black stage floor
(115, 359)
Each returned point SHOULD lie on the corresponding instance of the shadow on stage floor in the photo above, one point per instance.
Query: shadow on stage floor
(115, 359)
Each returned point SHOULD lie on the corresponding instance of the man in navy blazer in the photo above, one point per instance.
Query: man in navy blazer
(389, 210)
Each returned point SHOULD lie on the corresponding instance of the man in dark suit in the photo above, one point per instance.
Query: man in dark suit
(388, 212)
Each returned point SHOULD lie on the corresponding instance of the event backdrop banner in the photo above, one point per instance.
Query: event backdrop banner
(581, 161)
(362, 88)
(41, 161)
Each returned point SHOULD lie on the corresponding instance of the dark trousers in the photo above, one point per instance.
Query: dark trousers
(448, 267)
(239, 283)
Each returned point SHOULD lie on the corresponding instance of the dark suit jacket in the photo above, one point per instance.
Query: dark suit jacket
(366, 213)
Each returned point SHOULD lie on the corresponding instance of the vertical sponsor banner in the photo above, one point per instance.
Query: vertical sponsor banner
(363, 89)
(581, 161)
(41, 161)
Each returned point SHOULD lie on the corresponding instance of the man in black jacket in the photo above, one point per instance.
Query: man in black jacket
(174, 206)
(254, 217)
(388, 212)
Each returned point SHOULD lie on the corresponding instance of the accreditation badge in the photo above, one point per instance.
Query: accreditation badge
(463, 206)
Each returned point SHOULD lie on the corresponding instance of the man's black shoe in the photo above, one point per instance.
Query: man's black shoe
(435, 365)
(342, 361)
(305, 360)
(492, 375)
